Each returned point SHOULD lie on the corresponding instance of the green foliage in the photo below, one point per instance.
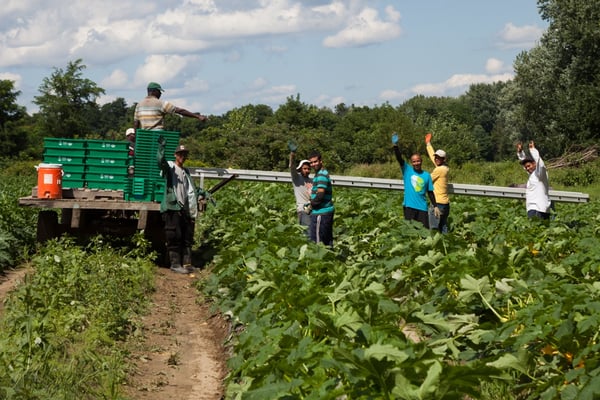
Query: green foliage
(67, 102)
(17, 224)
(396, 311)
(557, 81)
(60, 329)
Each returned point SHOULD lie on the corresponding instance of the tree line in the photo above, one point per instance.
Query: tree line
(553, 99)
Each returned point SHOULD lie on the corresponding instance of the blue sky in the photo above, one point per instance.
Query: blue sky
(214, 55)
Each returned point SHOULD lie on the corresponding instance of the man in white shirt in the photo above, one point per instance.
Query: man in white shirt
(537, 200)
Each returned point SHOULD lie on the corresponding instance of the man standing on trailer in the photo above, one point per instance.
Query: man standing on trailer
(150, 112)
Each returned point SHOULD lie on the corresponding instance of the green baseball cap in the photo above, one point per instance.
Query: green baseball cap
(156, 86)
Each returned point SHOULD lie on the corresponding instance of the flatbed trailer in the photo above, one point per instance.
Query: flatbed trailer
(86, 212)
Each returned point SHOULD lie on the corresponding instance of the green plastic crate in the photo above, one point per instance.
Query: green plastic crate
(101, 161)
(64, 152)
(106, 169)
(73, 176)
(74, 168)
(62, 143)
(64, 160)
(73, 183)
(106, 177)
(105, 184)
(119, 145)
(108, 153)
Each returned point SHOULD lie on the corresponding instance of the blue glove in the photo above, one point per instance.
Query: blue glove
(292, 146)
(205, 194)
(394, 138)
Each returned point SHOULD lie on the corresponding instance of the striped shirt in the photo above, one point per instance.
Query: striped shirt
(322, 180)
(151, 111)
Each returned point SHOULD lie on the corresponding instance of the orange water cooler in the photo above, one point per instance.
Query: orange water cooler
(49, 181)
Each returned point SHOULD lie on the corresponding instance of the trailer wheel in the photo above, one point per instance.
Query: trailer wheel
(155, 233)
(47, 225)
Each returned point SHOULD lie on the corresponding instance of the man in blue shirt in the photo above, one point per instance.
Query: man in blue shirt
(417, 183)
(321, 204)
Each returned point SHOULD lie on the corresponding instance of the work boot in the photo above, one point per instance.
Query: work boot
(187, 259)
(175, 259)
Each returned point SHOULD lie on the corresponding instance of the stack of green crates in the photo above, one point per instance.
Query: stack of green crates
(106, 164)
(70, 153)
(95, 164)
(147, 183)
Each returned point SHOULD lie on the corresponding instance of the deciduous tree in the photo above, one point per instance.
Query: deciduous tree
(67, 102)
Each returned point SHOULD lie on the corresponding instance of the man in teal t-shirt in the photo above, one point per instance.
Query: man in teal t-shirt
(417, 183)
(321, 204)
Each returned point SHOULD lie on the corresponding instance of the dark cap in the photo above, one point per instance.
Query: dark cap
(155, 86)
(181, 149)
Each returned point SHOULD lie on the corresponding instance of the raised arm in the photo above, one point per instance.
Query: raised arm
(430, 150)
(397, 150)
(520, 153)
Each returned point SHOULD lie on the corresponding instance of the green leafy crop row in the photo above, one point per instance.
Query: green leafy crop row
(501, 307)
(60, 330)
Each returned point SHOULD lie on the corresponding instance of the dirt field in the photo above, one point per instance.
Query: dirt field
(179, 353)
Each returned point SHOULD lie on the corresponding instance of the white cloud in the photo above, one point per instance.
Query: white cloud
(494, 66)
(328, 101)
(458, 82)
(117, 79)
(526, 36)
(159, 68)
(259, 83)
(9, 76)
(366, 28)
(392, 95)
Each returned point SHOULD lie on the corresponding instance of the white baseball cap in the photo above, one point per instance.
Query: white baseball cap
(299, 167)
(440, 153)
(129, 132)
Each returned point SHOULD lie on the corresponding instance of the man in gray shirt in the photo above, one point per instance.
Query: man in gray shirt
(302, 185)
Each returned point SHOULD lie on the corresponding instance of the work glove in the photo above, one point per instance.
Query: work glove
(292, 146)
(307, 208)
(428, 138)
(395, 139)
(162, 141)
(437, 212)
(205, 194)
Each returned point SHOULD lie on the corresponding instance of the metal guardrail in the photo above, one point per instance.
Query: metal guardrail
(378, 183)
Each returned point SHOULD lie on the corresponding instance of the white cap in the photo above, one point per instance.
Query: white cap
(301, 163)
(129, 132)
(440, 153)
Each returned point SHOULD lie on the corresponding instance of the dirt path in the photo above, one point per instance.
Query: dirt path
(9, 280)
(180, 353)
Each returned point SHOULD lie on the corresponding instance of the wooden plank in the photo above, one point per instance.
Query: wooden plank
(91, 204)
(142, 219)
(75, 217)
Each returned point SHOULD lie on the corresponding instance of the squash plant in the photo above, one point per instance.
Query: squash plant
(502, 306)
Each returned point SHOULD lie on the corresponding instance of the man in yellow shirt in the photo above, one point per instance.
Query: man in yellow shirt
(439, 175)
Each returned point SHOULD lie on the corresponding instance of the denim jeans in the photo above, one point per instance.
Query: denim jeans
(537, 214)
(444, 212)
(321, 228)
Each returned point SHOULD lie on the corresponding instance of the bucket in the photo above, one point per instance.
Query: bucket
(49, 181)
